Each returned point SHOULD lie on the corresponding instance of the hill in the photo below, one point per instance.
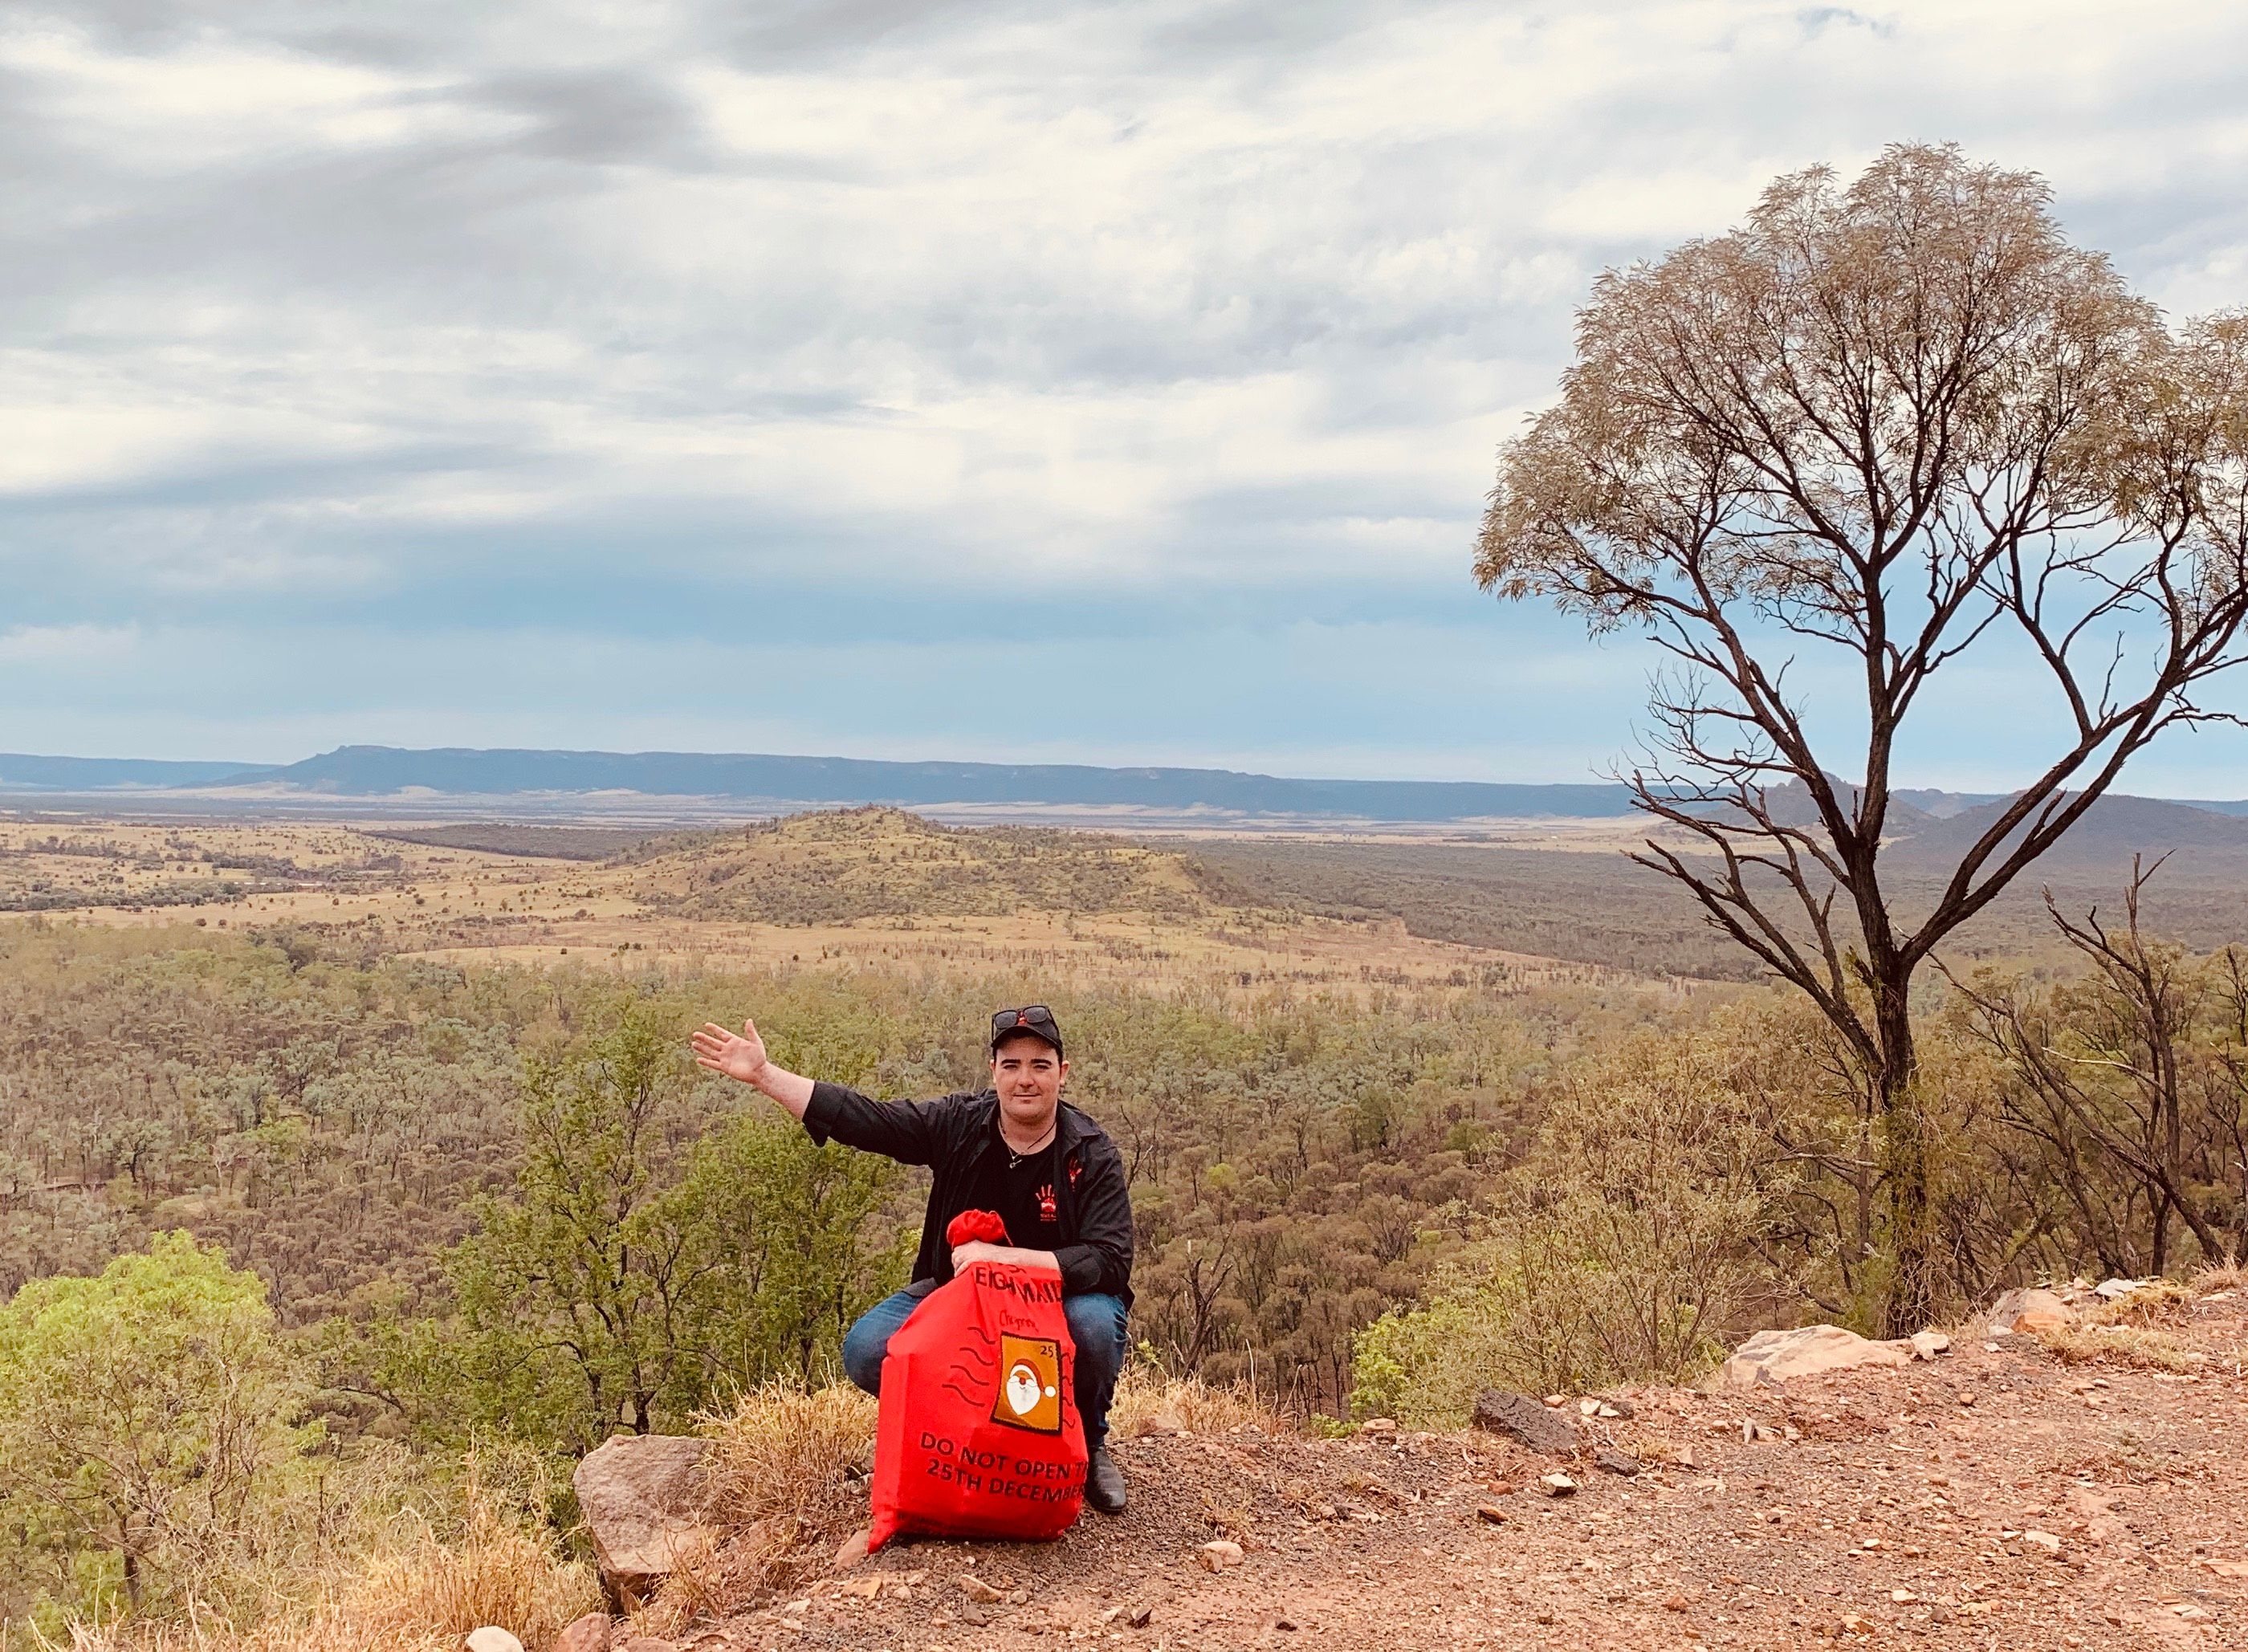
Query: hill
(2112, 831)
(841, 867)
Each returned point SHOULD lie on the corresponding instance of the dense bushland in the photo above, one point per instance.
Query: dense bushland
(444, 1219)
(1690, 1185)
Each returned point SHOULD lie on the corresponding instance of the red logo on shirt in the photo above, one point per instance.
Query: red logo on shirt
(1074, 1168)
(1047, 1210)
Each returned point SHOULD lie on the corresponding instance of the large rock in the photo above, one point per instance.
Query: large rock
(644, 1499)
(2031, 1311)
(1773, 1357)
(1526, 1419)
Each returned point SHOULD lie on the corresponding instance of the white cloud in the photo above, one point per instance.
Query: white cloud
(67, 645)
(306, 309)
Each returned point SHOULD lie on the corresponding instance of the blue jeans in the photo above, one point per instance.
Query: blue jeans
(1096, 1326)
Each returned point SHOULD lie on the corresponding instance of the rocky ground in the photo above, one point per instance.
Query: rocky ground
(1998, 1496)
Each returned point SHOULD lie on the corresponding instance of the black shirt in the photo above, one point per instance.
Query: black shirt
(1023, 1193)
(958, 1138)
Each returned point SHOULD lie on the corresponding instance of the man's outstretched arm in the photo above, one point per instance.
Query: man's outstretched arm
(899, 1130)
(742, 1055)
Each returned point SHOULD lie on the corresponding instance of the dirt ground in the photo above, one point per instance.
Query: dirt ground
(1995, 1498)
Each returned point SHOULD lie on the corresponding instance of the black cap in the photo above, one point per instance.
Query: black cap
(1035, 1020)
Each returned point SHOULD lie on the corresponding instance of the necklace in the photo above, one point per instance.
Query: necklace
(1015, 1160)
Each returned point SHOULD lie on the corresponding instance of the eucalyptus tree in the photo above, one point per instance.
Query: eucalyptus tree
(1881, 428)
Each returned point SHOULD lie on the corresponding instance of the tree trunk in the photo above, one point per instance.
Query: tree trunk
(1910, 1303)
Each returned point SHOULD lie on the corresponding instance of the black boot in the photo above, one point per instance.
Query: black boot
(1104, 1483)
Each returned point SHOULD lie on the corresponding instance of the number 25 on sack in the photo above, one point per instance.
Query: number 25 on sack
(979, 1434)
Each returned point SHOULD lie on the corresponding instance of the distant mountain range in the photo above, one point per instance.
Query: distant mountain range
(1928, 817)
(21, 773)
(384, 771)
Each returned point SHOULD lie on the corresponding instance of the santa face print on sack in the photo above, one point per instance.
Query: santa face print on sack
(1030, 1390)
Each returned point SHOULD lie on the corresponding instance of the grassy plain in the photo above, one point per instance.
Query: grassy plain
(869, 889)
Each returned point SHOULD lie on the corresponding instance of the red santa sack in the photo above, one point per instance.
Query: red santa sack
(979, 1434)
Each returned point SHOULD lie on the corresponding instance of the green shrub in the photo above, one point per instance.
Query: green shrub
(1623, 1248)
(148, 1416)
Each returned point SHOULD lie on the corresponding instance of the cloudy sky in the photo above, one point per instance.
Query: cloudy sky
(1108, 382)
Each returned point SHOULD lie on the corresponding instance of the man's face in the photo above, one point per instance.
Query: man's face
(1027, 1074)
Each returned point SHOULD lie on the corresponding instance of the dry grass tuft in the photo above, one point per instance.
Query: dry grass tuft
(2225, 1276)
(788, 1473)
(793, 1456)
(421, 1593)
(2139, 1347)
(2164, 1302)
(495, 1572)
(1147, 1403)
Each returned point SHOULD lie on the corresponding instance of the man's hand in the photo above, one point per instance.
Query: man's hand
(738, 1055)
(979, 1251)
(975, 1250)
(742, 1055)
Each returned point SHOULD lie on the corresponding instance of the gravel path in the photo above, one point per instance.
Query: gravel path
(1995, 1498)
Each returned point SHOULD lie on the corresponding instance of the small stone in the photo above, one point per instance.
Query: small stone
(1588, 1408)
(1284, 1624)
(1491, 1514)
(1558, 1485)
(853, 1549)
(1855, 1624)
(2031, 1311)
(492, 1638)
(864, 1588)
(1218, 1555)
(1608, 1460)
(1164, 1422)
(1138, 1616)
(647, 1644)
(1966, 1396)
(1903, 1597)
(975, 1616)
(1926, 1345)
(1676, 1603)
(1612, 1406)
(2044, 1540)
(588, 1634)
(1379, 1427)
(1526, 1421)
(977, 1590)
(1017, 1597)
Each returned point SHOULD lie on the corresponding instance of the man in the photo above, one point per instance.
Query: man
(1050, 1172)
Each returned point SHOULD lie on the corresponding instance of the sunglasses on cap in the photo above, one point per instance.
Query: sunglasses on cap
(1035, 1020)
